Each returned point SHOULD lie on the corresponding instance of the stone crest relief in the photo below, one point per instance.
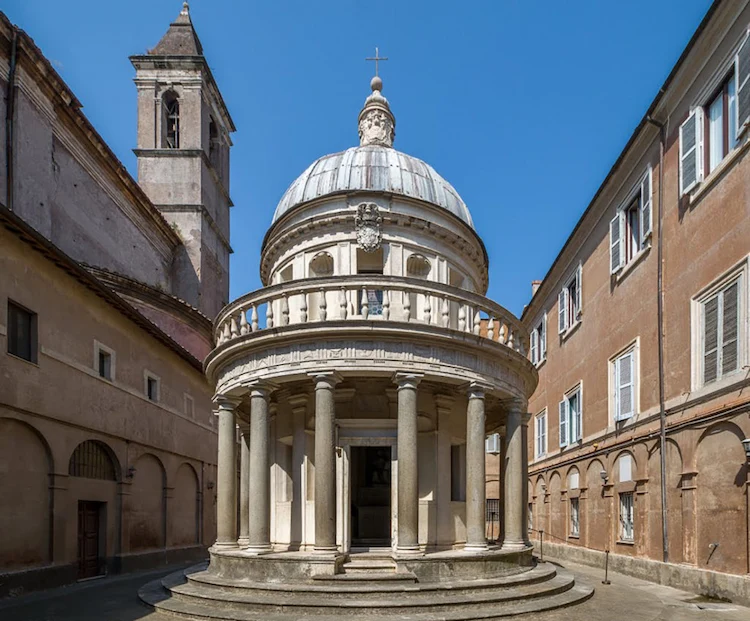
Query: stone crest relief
(376, 127)
(368, 223)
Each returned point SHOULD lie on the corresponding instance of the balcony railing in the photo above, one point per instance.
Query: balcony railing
(370, 297)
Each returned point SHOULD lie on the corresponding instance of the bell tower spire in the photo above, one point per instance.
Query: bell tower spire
(377, 125)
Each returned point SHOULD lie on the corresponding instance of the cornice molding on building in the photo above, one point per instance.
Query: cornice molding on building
(273, 244)
(148, 61)
(41, 244)
(205, 213)
(66, 112)
(141, 291)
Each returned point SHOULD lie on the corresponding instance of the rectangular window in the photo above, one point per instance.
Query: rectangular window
(574, 522)
(624, 379)
(105, 364)
(569, 303)
(626, 516)
(720, 115)
(540, 433)
(570, 417)
(631, 227)
(22, 332)
(152, 386)
(720, 332)
(539, 342)
(492, 444)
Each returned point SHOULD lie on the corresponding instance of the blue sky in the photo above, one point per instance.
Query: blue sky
(523, 105)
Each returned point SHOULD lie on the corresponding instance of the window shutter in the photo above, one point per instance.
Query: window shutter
(691, 148)
(534, 346)
(564, 422)
(562, 309)
(625, 386)
(646, 189)
(615, 243)
(543, 339)
(730, 330)
(578, 292)
(710, 340)
(742, 73)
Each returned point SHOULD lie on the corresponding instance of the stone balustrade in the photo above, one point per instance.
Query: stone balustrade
(370, 297)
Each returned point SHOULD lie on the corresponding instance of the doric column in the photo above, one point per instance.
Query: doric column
(325, 461)
(515, 475)
(259, 489)
(226, 476)
(408, 473)
(244, 494)
(476, 483)
(298, 404)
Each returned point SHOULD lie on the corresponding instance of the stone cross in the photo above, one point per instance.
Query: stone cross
(377, 58)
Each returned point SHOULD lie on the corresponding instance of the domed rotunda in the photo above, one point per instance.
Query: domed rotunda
(354, 394)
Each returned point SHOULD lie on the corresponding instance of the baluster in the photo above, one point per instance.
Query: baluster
(244, 327)
(342, 303)
(302, 308)
(503, 334)
(386, 305)
(427, 309)
(511, 341)
(407, 305)
(254, 319)
(220, 336)
(446, 313)
(285, 310)
(520, 345)
(323, 305)
(477, 322)
(365, 304)
(227, 333)
(269, 314)
(234, 329)
(462, 318)
(491, 329)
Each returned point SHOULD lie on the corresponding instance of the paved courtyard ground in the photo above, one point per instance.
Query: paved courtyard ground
(626, 599)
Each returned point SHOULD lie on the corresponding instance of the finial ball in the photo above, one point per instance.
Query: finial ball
(376, 84)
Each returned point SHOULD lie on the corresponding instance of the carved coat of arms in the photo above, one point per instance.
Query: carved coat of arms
(368, 224)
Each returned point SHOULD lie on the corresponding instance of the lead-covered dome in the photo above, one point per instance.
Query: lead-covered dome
(374, 166)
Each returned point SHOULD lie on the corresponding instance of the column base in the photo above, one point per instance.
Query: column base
(514, 546)
(408, 551)
(265, 548)
(476, 547)
(326, 550)
(224, 545)
(243, 542)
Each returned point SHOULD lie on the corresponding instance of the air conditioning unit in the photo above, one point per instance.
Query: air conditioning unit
(492, 444)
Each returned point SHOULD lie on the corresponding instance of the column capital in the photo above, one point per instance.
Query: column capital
(261, 389)
(298, 402)
(325, 380)
(225, 402)
(477, 390)
(444, 402)
(244, 427)
(407, 380)
(516, 405)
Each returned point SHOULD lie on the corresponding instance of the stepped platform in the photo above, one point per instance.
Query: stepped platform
(378, 586)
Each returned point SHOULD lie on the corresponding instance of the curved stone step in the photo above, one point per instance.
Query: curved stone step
(374, 577)
(330, 586)
(313, 604)
(155, 595)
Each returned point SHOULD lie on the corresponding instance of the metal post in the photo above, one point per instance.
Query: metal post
(541, 546)
(606, 568)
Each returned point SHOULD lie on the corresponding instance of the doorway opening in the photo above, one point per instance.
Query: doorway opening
(371, 495)
(90, 539)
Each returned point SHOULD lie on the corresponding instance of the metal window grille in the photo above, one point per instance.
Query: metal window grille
(626, 517)
(574, 521)
(91, 461)
(492, 518)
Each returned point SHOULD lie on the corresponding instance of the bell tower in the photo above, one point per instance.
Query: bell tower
(183, 146)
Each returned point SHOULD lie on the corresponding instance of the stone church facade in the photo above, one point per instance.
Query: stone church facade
(638, 442)
(107, 290)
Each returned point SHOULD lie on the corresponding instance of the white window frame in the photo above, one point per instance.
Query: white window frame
(575, 517)
(492, 444)
(619, 227)
(147, 375)
(567, 437)
(101, 347)
(538, 342)
(615, 361)
(565, 305)
(627, 517)
(540, 439)
(740, 272)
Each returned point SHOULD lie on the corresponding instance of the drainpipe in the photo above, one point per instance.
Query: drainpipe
(10, 100)
(660, 339)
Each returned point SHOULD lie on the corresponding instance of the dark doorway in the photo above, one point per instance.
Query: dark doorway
(371, 495)
(89, 537)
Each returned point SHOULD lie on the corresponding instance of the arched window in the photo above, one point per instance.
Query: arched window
(91, 460)
(170, 121)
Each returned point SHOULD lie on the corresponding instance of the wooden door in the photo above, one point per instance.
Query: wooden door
(88, 539)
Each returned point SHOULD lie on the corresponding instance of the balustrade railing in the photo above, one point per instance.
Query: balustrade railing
(370, 297)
